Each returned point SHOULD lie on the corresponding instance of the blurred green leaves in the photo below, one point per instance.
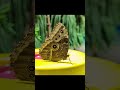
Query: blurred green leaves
(14, 18)
(6, 28)
(37, 36)
(3, 10)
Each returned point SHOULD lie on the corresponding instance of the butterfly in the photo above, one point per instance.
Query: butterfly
(55, 47)
(22, 60)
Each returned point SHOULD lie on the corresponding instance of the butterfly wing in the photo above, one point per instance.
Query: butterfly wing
(58, 43)
(22, 59)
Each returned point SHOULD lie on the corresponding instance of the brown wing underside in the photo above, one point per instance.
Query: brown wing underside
(59, 54)
(24, 65)
(56, 46)
(22, 59)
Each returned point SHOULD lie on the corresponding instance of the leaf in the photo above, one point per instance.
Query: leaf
(4, 8)
(2, 17)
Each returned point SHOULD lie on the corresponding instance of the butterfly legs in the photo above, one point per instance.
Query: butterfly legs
(69, 58)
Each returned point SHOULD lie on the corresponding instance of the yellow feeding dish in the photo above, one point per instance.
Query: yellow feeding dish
(14, 84)
(4, 59)
(64, 67)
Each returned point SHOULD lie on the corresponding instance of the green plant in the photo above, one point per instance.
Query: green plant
(6, 28)
(102, 19)
(15, 16)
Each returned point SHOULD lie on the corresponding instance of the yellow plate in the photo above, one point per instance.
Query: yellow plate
(4, 59)
(14, 84)
(64, 67)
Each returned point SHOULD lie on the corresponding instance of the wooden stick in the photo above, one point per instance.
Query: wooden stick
(49, 25)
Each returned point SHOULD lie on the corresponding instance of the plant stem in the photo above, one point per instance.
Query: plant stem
(49, 25)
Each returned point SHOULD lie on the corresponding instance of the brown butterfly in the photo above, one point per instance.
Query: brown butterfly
(55, 47)
(22, 60)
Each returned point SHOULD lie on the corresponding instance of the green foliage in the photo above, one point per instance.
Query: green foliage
(6, 28)
(14, 16)
(102, 19)
(3, 10)
(75, 25)
(38, 39)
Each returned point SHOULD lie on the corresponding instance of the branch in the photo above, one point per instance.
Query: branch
(49, 25)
